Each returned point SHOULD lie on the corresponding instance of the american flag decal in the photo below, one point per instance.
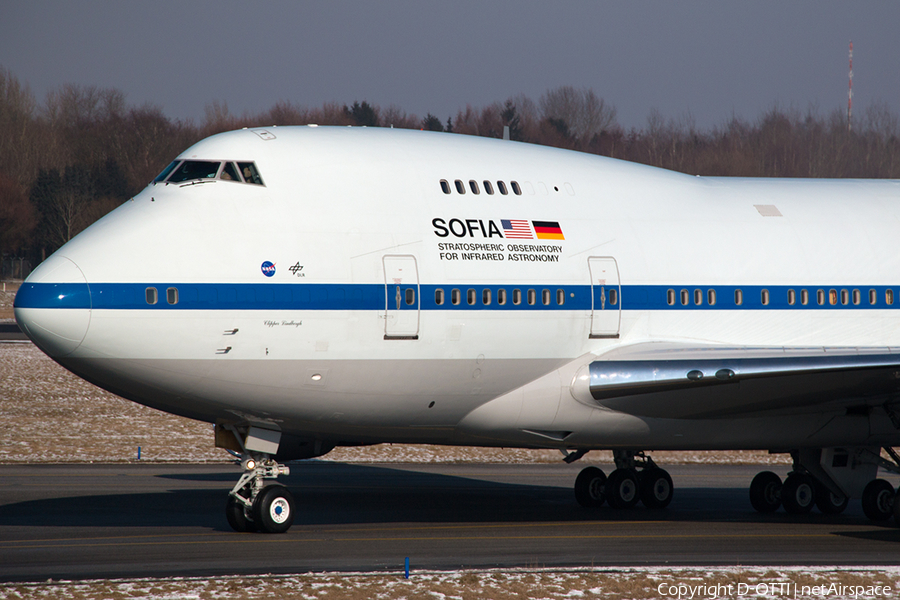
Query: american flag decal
(516, 229)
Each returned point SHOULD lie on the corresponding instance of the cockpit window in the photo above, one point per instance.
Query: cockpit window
(194, 169)
(165, 173)
(251, 175)
(187, 170)
(229, 172)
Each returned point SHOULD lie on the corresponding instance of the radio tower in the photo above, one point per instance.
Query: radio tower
(850, 92)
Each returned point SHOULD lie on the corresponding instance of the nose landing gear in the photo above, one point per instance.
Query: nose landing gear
(253, 506)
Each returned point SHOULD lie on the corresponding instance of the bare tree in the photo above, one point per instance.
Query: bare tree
(583, 112)
(16, 216)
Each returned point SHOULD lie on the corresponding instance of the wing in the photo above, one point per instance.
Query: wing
(683, 382)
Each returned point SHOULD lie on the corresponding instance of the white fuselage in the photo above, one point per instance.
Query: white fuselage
(331, 346)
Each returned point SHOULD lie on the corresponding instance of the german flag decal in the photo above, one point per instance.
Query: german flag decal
(547, 230)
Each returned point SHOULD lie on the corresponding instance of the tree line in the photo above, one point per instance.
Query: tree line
(68, 160)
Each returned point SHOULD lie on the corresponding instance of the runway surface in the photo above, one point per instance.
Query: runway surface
(90, 521)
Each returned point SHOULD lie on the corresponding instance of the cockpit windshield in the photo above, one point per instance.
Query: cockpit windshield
(181, 171)
(194, 169)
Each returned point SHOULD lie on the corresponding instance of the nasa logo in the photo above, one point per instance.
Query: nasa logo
(268, 268)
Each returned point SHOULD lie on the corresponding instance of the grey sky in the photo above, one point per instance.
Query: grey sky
(710, 59)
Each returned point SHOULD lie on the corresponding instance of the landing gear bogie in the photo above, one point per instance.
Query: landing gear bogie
(635, 479)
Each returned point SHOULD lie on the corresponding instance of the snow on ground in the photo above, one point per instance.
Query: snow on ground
(794, 583)
(57, 417)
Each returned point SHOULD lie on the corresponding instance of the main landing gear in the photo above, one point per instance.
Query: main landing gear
(636, 478)
(253, 506)
(827, 478)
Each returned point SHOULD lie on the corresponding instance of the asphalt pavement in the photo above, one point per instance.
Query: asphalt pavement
(148, 520)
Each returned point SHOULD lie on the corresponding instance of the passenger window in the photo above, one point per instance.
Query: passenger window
(194, 169)
(698, 297)
(873, 297)
(445, 186)
(613, 297)
(517, 296)
(560, 297)
(820, 297)
(832, 297)
(470, 296)
(888, 296)
(454, 297)
(711, 297)
(845, 297)
(229, 173)
(486, 297)
(685, 297)
(151, 295)
(857, 297)
(439, 296)
(474, 186)
(545, 297)
(515, 188)
(488, 189)
(172, 295)
(764, 297)
(250, 173)
(670, 297)
(532, 297)
(460, 188)
(804, 297)
(502, 187)
(738, 297)
(792, 297)
(501, 296)
(410, 296)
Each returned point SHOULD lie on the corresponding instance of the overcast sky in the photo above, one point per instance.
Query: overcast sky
(708, 58)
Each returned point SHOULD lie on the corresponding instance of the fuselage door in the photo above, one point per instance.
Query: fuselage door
(606, 297)
(401, 292)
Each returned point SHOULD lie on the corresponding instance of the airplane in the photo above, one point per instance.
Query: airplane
(307, 287)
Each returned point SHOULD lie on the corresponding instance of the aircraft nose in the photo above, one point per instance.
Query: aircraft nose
(53, 306)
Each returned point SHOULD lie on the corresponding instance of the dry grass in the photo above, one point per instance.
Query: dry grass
(495, 584)
(61, 418)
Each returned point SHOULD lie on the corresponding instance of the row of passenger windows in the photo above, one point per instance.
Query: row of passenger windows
(476, 188)
(151, 295)
(530, 297)
(180, 171)
(831, 297)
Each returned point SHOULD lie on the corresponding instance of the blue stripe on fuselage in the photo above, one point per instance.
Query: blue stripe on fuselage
(338, 296)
